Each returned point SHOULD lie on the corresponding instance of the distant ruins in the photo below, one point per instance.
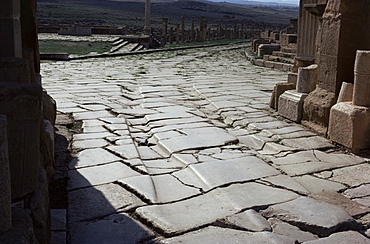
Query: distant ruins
(329, 85)
(27, 116)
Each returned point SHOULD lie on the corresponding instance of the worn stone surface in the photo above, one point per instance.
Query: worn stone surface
(353, 176)
(58, 219)
(342, 238)
(316, 185)
(112, 229)
(248, 220)
(361, 191)
(316, 217)
(92, 157)
(99, 201)
(314, 142)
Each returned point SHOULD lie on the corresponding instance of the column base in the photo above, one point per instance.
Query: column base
(349, 125)
(291, 105)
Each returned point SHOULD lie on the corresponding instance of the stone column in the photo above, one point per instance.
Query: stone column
(171, 35)
(5, 196)
(361, 92)
(10, 29)
(344, 29)
(205, 30)
(147, 30)
(177, 33)
(183, 29)
(192, 30)
(164, 31)
(201, 28)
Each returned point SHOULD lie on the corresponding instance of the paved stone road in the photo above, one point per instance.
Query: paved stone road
(180, 147)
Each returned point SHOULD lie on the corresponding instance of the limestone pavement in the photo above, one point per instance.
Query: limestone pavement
(181, 147)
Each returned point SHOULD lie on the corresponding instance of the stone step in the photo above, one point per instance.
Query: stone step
(120, 46)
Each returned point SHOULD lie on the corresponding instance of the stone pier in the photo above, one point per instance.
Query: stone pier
(164, 31)
(183, 39)
(147, 29)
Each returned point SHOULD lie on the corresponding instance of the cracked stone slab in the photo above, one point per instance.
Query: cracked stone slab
(286, 182)
(168, 115)
(99, 201)
(93, 143)
(314, 142)
(316, 185)
(361, 191)
(311, 215)
(212, 174)
(205, 209)
(92, 157)
(337, 199)
(253, 141)
(114, 120)
(114, 127)
(284, 130)
(194, 121)
(92, 115)
(223, 235)
(353, 175)
(159, 189)
(136, 112)
(195, 139)
(127, 151)
(146, 153)
(342, 238)
(88, 136)
(267, 125)
(248, 220)
(112, 229)
(291, 231)
(97, 175)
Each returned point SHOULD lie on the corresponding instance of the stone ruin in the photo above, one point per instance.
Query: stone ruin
(27, 116)
(329, 86)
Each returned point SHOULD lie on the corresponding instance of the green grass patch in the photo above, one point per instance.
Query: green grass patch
(73, 47)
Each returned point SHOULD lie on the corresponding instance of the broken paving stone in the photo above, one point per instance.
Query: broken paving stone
(88, 136)
(267, 125)
(97, 175)
(116, 228)
(136, 112)
(91, 115)
(272, 148)
(253, 141)
(212, 174)
(342, 238)
(205, 209)
(94, 129)
(291, 231)
(93, 143)
(99, 201)
(311, 215)
(114, 120)
(314, 142)
(335, 198)
(286, 182)
(146, 153)
(92, 157)
(361, 191)
(316, 185)
(114, 127)
(363, 201)
(353, 175)
(159, 189)
(93, 107)
(224, 235)
(168, 115)
(127, 151)
(184, 158)
(248, 220)
(294, 135)
(230, 155)
(284, 130)
(92, 123)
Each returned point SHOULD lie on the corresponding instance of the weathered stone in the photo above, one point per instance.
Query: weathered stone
(212, 174)
(49, 108)
(361, 191)
(286, 182)
(307, 79)
(316, 217)
(159, 189)
(222, 235)
(291, 105)
(58, 219)
(93, 143)
(248, 220)
(349, 125)
(127, 151)
(293, 232)
(346, 93)
(353, 175)
(97, 175)
(314, 142)
(361, 79)
(253, 141)
(219, 203)
(342, 238)
(92, 157)
(21, 103)
(5, 199)
(115, 228)
(98, 201)
(316, 185)
(334, 198)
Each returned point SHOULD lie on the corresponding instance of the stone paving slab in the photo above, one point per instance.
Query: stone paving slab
(92, 157)
(342, 238)
(353, 176)
(248, 220)
(205, 209)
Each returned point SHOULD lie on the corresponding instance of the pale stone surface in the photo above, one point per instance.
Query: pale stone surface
(291, 105)
(93, 143)
(79, 137)
(248, 220)
(286, 182)
(353, 176)
(334, 198)
(316, 217)
(97, 175)
(223, 235)
(99, 201)
(361, 191)
(293, 232)
(212, 174)
(127, 151)
(267, 125)
(112, 229)
(253, 141)
(342, 238)
(315, 142)
(189, 214)
(159, 189)
(92, 157)
(316, 185)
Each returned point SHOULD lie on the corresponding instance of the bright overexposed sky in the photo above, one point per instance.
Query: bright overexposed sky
(281, 1)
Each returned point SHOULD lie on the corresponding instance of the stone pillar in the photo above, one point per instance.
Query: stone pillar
(10, 29)
(361, 92)
(5, 196)
(147, 30)
(164, 31)
(205, 30)
(177, 33)
(201, 28)
(183, 29)
(343, 31)
(171, 35)
(192, 30)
